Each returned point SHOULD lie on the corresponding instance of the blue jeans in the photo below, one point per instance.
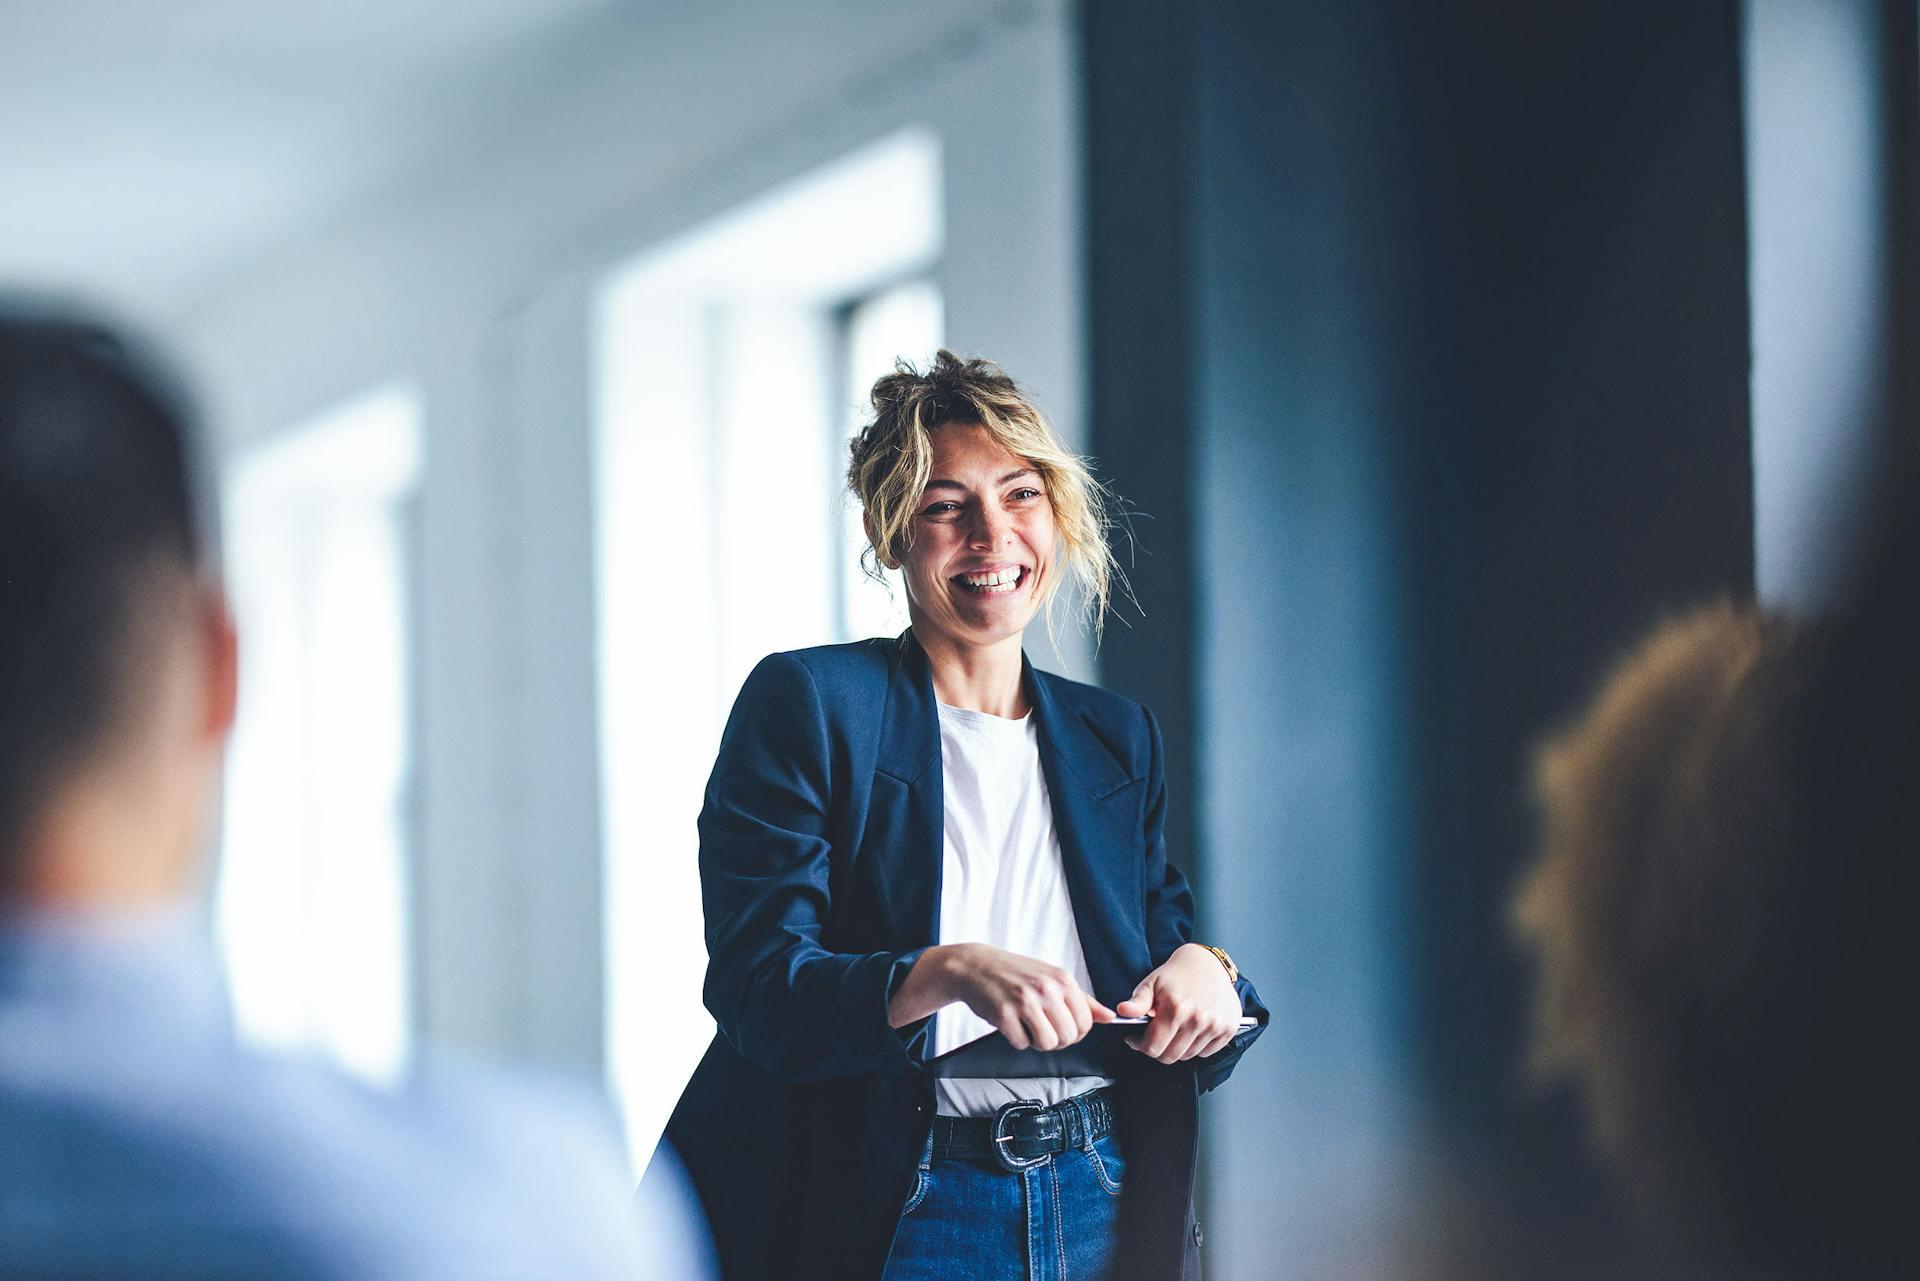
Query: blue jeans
(974, 1221)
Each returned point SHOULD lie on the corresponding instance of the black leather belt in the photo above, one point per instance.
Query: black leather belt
(1024, 1134)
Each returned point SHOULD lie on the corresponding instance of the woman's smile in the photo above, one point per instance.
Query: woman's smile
(1001, 581)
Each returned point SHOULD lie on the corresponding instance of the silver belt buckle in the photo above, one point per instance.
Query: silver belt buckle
(1003, 1135)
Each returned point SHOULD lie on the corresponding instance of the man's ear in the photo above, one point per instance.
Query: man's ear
(221, 664)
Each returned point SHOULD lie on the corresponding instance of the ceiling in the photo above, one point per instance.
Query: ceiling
(146, 145)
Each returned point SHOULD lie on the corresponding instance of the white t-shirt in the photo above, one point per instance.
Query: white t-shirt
(1002, 883)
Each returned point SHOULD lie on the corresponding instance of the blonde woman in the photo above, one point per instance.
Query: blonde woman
(911, 843)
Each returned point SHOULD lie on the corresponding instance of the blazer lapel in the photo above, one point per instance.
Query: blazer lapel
(1094, 812)
(905, 824)
(1096, 815)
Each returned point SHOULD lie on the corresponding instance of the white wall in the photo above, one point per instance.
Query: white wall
(473, 281)
(1819, 253)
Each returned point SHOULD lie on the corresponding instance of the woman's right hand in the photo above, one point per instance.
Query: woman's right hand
(1030, 1002)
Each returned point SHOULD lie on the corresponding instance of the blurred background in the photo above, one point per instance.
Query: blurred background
(1438, 349)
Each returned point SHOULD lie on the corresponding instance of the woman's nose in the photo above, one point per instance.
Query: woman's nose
(991, 528)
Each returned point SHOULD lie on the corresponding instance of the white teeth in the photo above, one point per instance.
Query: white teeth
(999, 580)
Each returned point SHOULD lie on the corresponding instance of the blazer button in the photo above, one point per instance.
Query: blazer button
(1198, 1236)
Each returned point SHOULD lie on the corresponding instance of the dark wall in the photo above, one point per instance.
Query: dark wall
(1586, 467)
(1137, 286)
(1456, 335)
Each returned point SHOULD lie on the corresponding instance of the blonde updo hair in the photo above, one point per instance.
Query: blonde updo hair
(892, 460)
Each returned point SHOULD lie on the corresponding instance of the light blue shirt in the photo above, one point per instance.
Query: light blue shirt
(137, 1139)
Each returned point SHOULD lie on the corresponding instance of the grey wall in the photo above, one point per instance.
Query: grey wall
(1458, 344)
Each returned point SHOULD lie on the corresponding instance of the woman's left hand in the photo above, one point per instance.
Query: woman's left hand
(1194, 1007)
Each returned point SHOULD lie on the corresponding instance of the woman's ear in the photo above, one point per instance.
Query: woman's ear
(882, 554)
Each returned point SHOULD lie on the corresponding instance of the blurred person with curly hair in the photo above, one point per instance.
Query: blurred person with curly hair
(1715, 921)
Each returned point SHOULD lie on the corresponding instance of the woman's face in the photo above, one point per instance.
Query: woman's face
(983, 541)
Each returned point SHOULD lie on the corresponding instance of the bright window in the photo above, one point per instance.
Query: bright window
(902, 321)
(724, 363)
(311, 900)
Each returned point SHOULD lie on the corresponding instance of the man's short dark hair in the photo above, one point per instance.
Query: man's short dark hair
(96, 497)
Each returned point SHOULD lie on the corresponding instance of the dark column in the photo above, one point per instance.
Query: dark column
(1138, 65)
(1463, 408)
(1900, 104)
(1583, 464)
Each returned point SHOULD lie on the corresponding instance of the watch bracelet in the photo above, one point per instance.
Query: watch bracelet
(1226, 962)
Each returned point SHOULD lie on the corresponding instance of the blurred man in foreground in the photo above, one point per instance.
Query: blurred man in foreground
(136, 1139)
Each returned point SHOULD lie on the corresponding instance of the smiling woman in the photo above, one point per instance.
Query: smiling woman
(893, 473)
(979, 555)
(912, 843)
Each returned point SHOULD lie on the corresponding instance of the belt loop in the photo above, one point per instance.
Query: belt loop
(1085, 1117)
(926, 1153)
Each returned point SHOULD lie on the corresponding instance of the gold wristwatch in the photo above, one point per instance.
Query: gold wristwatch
(1220, 955)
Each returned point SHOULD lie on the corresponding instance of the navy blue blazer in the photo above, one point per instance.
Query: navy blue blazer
(820, 862)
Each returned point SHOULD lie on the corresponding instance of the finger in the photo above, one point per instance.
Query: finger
(1080, 1007)
(1012, 1028)
(1080, 1018)
(1140, 1003)
(1204, 1041)
(1040, 1027)
(1160, 1033)
(1101, 1014)
(1065, 1026)
(1216, 1044)
(1180, 1048)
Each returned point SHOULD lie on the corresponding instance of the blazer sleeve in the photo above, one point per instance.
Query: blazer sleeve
(1169, 912)
(786, 1003)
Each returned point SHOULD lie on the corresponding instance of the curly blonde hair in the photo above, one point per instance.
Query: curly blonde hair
(1666, 915)
(892, 460)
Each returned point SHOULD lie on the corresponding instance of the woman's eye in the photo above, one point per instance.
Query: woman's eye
(1022, 495)
(941, 509)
